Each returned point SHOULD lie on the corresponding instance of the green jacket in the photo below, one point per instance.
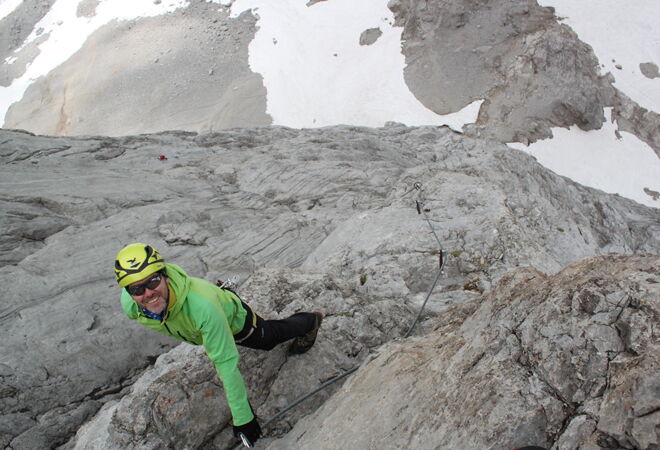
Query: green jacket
(199, 312)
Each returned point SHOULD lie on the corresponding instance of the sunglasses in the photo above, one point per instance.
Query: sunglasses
(151, 283)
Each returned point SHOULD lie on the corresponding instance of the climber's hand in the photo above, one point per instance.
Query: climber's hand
(248, 433)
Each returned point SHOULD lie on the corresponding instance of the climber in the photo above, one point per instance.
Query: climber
(163, 297)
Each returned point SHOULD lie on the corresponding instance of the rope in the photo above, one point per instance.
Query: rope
(421, 209)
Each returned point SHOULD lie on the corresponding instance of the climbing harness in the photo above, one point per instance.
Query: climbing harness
(250, 326)
(421, 209)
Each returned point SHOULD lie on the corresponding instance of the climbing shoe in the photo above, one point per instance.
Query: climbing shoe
(303, 343)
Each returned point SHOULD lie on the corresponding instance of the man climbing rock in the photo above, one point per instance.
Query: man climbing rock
(163, 297)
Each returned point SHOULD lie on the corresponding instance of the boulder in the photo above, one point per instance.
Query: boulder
(534, 72)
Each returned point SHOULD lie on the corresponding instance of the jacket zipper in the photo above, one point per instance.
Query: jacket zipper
(179, 333)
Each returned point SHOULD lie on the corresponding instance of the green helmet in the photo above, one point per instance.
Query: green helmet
(135, 262)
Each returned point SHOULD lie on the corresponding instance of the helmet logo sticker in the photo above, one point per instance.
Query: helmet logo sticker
(136, 261)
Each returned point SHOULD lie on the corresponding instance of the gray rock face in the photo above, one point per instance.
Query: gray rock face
(312, 219)
(649, 70)
(14, 29)
(639, 121)
(370, 36)
(185, 70)
(568, 361)
(533, 72)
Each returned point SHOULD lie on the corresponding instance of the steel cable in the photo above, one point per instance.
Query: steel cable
(421, 209)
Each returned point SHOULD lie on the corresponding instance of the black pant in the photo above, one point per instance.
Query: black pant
(269, 333)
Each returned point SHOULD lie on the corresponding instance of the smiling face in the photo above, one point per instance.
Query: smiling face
(153, 299)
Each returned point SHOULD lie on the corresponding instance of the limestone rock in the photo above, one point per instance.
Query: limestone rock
(649, 70)
(639, 121)
(533, 72)
(537, 360)
(127, 93)
(370, 36)
(337, 206)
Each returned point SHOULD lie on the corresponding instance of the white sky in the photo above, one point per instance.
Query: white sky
(317, 74)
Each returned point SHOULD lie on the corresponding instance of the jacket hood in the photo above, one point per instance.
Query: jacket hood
(179, 286)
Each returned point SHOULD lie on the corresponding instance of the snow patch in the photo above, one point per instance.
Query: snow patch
(620, 164)
(8, 6)
(623, 35)
(221, 2)
(317, 74)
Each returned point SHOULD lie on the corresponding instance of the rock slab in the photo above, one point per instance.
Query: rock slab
(564, 361)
